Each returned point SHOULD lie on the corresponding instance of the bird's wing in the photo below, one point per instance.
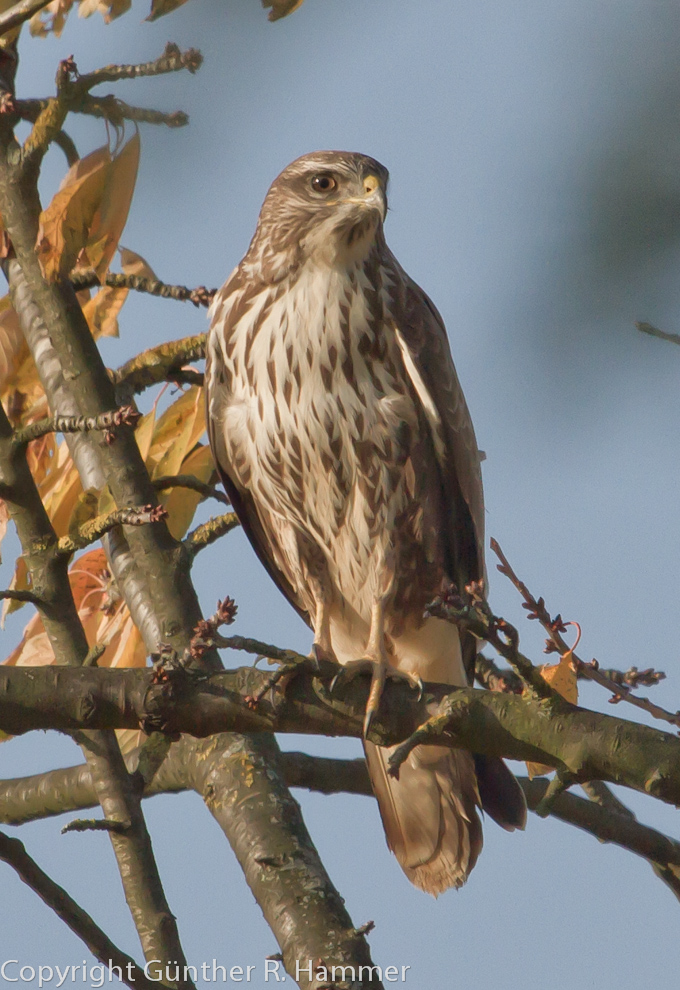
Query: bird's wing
(255, 527)
(427, 358)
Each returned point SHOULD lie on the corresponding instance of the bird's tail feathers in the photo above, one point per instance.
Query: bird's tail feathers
(429, 813)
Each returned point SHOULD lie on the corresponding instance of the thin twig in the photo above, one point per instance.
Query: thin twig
(12, 851)
(22, 596)
(89, 279)
(96, 825)
(556, 644)
(108, 422)
(494, 678)
(674, 338)
(106, 108)
(164, 362)
(92, 531)
(476, 617)
(194, 484)
(73, 89)
(201, 537)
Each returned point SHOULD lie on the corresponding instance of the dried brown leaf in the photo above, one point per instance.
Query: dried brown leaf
(51, 19)
(159, 8)
(134, 264)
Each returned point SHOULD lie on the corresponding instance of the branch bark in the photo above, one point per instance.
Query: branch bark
(585, 744)
(12, 851)
(55, 792)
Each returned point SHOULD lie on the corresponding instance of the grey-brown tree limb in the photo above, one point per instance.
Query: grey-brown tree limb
(151, 569)
(586, 744)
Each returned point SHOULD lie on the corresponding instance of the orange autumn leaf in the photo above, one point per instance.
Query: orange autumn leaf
(13, 348)
(4, 520)
(89, 211)
(101, 311)
(562, 678)
(181, 503)
(104, 616)
(111, 217)
(65, 224)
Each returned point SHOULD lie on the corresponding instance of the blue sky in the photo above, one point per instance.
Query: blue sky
(535, 195)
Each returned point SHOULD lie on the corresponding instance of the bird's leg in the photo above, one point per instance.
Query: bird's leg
(376, 661)
(321, 647)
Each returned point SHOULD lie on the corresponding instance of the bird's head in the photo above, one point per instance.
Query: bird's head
(327, 207)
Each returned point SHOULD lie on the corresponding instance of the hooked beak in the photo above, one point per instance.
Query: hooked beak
(373, 198)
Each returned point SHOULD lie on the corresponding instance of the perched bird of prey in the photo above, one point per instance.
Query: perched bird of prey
(341, 434)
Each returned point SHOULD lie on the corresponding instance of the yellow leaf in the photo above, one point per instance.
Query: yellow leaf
(84, 510)
(20, 582)
(51, 19)
(281, 8)
(65, 224)
(34, 650)
(177, 432)
(181, 503)
(134, 264)
(101, 312)
(60, 490)
(562, 678)
(13, 349)
(4, 519)
(144, 433)
(110, 218)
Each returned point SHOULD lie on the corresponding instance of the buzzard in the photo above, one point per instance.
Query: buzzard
(342, 436)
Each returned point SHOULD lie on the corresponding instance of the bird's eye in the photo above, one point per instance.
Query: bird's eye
(323, 183)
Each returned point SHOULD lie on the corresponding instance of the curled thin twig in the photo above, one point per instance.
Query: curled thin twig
(617, 685)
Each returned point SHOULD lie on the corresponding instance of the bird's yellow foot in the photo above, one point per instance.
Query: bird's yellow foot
(320, 653)
(380, 669)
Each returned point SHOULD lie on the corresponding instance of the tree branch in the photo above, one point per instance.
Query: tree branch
(92, 531)
(57, 791)
(555, 644)
(674, 338)
(192, 483)
(106, 422)
(104, 108)
(205, 534)
(12, 851)
(158, 364)
(89, 279)
(20, 12)
(585, 744)
(73, 88)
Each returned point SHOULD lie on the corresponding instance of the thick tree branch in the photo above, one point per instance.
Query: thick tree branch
(58, 791)
(20, 12)
(12, 851)
(585, 744)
